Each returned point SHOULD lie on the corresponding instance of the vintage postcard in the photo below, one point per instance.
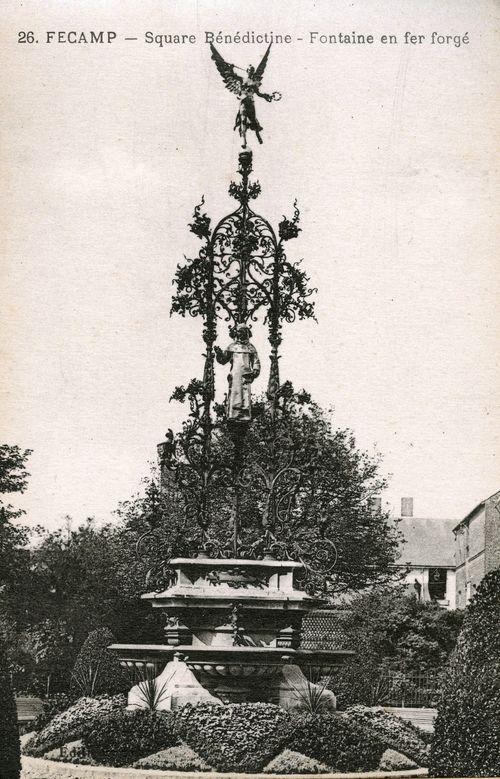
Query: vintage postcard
(249, 399)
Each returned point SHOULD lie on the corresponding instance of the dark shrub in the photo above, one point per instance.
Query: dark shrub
(394, 636)
(97, 671)
(336, 741)
(467, 730)
(124, 736)
(393, 731)
(10, 757)
(72, 723)
(238, 737)
(56, 704)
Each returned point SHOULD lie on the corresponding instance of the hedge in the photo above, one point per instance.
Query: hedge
(97, 671)
(237, 737)
(180, 758)
(467, 729)
(56, 704)
(72, 724)
(10, 757)
(335, 740)
(289, 762)
(125, 736)
(394, 732)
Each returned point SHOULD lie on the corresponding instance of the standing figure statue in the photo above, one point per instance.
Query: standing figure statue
(245, 367)
(245, 88)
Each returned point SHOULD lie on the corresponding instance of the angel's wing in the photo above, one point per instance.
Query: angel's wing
(260, 70)
(232, 81)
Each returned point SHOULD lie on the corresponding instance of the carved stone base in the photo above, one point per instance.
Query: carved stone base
(180, 683)
(174, 687)
(296, 691)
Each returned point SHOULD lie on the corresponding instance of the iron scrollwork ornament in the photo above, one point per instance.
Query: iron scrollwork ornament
(241, 275)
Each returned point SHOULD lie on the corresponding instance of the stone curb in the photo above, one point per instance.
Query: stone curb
(38, 768)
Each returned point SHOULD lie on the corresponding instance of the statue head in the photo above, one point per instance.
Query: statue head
(242, 333)
(250, 71)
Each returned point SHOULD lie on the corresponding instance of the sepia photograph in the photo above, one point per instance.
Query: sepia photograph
(249, 395)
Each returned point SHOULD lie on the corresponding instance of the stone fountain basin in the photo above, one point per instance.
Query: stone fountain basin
(230, 661)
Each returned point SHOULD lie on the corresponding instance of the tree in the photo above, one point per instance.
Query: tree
(13, 538)
(393, 632)
(10, 757)
(48, 644)
(14, 555)
(13, 474)
(467, 731)
(318, 510)
(83, 576)
(97, 670)
(412, 634)
(73, 581)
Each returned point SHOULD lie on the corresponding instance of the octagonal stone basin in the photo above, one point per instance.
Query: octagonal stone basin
(231, 673)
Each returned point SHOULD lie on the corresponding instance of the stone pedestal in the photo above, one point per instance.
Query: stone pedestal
(235, 623)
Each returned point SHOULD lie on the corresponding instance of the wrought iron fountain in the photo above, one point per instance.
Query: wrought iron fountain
(234, 609)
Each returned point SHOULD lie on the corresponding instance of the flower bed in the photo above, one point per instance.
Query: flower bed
(238, 738)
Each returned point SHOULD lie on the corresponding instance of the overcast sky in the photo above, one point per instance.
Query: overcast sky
(390, 152)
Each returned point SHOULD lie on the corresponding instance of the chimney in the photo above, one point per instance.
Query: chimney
(406, 507)
(376, 505)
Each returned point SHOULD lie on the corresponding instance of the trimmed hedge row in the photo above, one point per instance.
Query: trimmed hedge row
(335, 740)
(289, 762)
(394, 732)
(56, 704)
(72, 723)
(180, 758)
(126, 736)
(238, 737)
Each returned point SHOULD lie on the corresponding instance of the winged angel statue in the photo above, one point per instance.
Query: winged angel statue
(245, 87)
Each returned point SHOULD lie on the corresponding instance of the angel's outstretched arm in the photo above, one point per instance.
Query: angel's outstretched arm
(264, 95)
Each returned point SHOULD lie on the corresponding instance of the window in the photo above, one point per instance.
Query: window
(437, 583)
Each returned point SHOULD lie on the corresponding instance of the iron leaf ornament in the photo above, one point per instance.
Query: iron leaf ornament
(240, 277)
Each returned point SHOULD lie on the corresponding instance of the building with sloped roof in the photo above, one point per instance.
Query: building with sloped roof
(428, 555)
(477, 547)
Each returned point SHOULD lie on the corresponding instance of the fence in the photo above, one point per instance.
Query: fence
(414, 690)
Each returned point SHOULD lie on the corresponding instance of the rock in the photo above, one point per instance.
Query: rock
(296, 690)
(174, 687)
(395, 761)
